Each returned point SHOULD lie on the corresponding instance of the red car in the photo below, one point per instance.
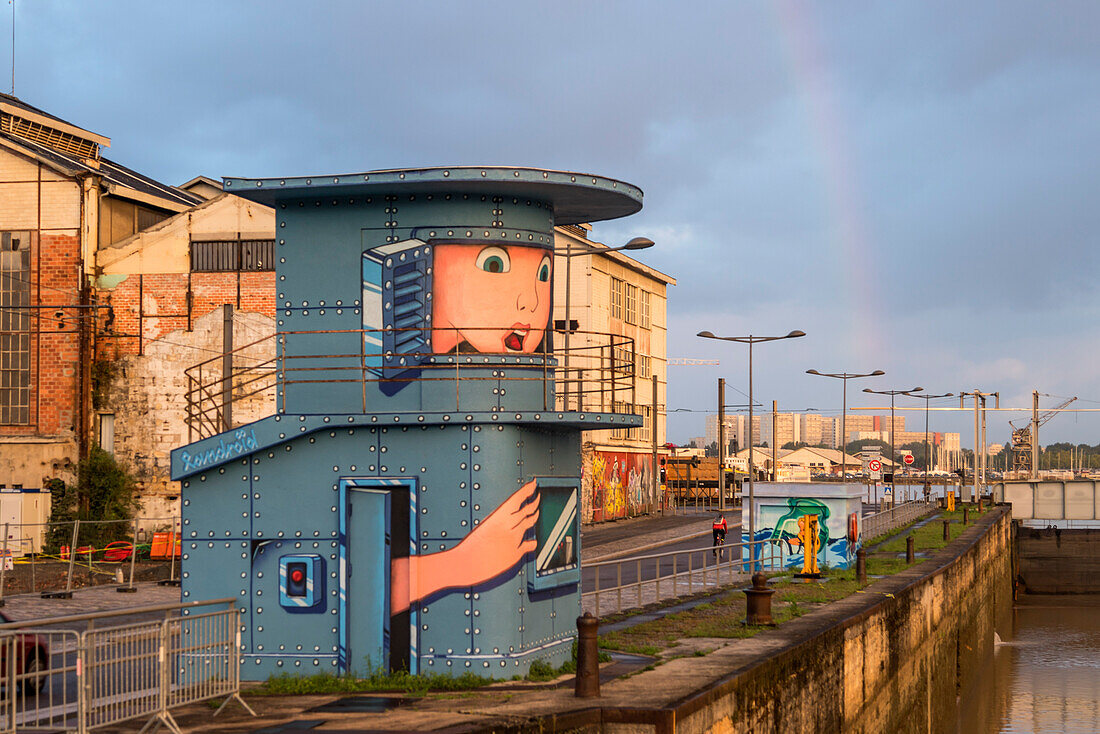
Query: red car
(32, 660)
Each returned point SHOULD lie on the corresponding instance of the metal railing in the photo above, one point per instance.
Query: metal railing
(895, 517)
(596, 373)
(101, 676)
(675, 574)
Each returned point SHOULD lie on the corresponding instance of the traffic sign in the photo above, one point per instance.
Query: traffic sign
(908, 459)
(874, 465)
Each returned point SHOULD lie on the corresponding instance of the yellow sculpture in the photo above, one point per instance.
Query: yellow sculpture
(811, 543)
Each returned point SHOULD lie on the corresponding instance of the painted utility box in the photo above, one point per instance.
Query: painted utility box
(413, 502)
(779, 506)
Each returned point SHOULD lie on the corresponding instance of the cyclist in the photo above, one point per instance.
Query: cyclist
(718, 528)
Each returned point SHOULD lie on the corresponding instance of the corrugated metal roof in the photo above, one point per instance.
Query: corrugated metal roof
(113, 172)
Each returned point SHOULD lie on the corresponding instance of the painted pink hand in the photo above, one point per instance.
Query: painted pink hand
(498, 544)
(492, 548)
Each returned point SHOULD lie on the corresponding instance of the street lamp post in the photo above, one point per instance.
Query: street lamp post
(893, 451)
(638, 243)
(927, 445)
(750, 340)
(844, 377)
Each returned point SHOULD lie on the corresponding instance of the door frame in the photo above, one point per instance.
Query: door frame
(392, 486)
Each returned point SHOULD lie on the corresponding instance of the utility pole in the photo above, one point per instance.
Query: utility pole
(775, 443)
(1035, 434)
(656, 483)
(227, 367)
(979, 435)
(721, 444)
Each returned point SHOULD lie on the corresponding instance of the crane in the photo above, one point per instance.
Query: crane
(690, 362)
(1022, 436)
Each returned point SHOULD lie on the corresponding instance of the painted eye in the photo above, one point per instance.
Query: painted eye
(494, 260)
(544, 270)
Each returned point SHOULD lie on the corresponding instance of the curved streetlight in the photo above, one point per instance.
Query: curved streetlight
(893, 451)
(638, 243)
(750, 340)
(844, 376)
(927, 444)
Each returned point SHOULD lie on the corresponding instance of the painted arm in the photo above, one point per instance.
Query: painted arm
(492, 547)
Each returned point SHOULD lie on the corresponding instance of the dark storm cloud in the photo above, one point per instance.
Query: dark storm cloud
(910, 183)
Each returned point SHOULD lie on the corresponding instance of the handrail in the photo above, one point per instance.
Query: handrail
(599, 365)
(685, 577)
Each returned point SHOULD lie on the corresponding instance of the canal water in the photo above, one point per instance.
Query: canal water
(1044, 675)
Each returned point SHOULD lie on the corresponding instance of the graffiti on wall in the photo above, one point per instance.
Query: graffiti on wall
(614, 484)
(782, 522)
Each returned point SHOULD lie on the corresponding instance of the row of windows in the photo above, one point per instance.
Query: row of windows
(630, 303)
(15, 328)
(642, 432)
(215, 256)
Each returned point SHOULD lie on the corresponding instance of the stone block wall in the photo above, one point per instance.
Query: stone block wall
(148, 396)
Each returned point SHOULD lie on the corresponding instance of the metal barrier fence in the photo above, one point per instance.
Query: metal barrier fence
(76, 681)
(36, 552)
(660, 576)
(895, 517)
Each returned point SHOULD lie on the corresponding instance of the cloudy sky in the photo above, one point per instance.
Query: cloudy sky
(913, 184)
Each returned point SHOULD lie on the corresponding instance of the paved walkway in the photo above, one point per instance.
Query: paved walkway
(614, 539)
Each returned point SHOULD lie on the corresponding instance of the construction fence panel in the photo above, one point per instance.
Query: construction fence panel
(205, 656)
(39, 680)
(78, 552)
(70, 681)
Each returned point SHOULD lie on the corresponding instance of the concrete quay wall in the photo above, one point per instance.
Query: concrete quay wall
(897, 664)
(895, 657)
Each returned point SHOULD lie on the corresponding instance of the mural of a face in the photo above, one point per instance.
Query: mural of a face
(504, 287)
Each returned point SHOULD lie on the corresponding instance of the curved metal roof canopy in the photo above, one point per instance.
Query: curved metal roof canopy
(576, 197)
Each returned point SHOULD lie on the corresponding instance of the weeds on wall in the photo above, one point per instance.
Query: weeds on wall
(104, 490)
(103, 374)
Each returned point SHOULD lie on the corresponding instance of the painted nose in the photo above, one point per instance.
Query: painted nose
(528, 298)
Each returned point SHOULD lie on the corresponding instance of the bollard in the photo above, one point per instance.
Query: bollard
(979, 504)
(861, 566)
(587, 681)
(966, 515)
(758, 605)
(947, 530)
(910, 555)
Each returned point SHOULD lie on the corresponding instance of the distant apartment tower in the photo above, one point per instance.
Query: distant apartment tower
(788, 428)
(815, 429)
(856, 424)
(735, 428)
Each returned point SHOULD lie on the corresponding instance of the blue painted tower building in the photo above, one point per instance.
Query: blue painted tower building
(412, 501)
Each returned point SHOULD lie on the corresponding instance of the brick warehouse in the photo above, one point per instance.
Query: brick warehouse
(111, 285)
(127, 281)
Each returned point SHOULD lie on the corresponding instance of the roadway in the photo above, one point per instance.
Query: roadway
(649, 566)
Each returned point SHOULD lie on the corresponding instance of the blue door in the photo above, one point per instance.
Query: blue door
(365, 616)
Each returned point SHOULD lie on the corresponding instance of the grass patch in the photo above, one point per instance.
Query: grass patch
(723, 617)
(928, 537)
(417, 685)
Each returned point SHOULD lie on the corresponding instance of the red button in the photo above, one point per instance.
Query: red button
(296, 576)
